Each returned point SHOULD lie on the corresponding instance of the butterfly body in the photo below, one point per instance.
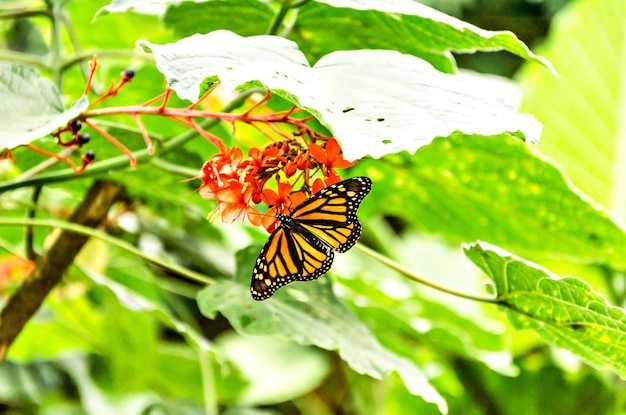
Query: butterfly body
(302, 246)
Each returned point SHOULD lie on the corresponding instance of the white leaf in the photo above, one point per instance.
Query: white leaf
(375, 102)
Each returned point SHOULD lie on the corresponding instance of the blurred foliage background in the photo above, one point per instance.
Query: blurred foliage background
(121, 336)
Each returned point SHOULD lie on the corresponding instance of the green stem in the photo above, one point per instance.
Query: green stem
(24, 58)
(84, 67)
(409, 274)
(208, 382)
(299, 4)
(87, 55)
(173, 168)
(278, 19)
(30, 233)
(56, 45)
(95, 233)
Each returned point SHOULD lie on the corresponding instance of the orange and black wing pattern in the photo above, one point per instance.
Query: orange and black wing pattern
(302, 247)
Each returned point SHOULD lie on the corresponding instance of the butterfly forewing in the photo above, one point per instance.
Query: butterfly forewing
(287, 257)
(301, 248)
(330, 214)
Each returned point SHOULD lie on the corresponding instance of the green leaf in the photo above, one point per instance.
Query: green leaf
(533, 391)
(499, 190)
(438, 329)
(31, 106)
(56, 322)
(169, 357)
(403, 25)
(137, 303)
(244, 17)
(309, 314)
(375, 102)
(583, 109)
(564, 311)
(278, 377)
(121, 6)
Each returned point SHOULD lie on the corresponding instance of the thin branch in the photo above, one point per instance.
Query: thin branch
(87, 55)
(411, 275)
(25, 58)
(46, 164)
(71, 33)
(27, 299)
(279, 18)
(144, 134)
(105, 237)
(171, 168)
(116, 143)
(32, 211)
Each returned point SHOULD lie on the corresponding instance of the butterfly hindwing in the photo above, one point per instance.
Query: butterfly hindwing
(301, 248)
(287, 257)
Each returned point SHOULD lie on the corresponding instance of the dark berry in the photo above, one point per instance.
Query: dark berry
(76, 125)
(128, 74)
(90, 155)
(83, 138)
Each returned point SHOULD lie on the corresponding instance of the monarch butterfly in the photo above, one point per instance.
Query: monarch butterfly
(302, 246)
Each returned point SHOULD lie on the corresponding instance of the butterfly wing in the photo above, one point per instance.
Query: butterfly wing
(286, 257)
(330, 214)
(301, 248)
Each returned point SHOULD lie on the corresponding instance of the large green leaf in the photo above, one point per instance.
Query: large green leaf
(403, 25)
(310, 315)
(244, 17)
(416, 324)
(499, 190)
(324, 26)
(583, 110)
(278, 376)
(564, 311)
(31, 106)
(376, 102)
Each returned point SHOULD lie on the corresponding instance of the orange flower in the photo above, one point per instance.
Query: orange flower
(234, 203)
(331, 157)
(282, 202)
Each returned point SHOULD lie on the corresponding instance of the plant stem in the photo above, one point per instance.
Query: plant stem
(208, 382)
(95, 233)
(88, 55)
(24, 58)
(278, 19)
(409, 274)
(173, 168)
(29, 237)
(56, 45)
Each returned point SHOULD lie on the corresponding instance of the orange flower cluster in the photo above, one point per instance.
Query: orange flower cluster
(237, 183)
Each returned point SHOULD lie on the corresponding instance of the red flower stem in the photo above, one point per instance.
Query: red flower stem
(54, 155)
(7, 154)
(206, 94)
(93, 65)
(189, 122)
(155, 99)
(166, 98)
(183, 115)
(265, 133)
(113, 90)
(144, 134)
(216, 141)
(113, 140)
(271, 127)
(187, 113)
(267, 96)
